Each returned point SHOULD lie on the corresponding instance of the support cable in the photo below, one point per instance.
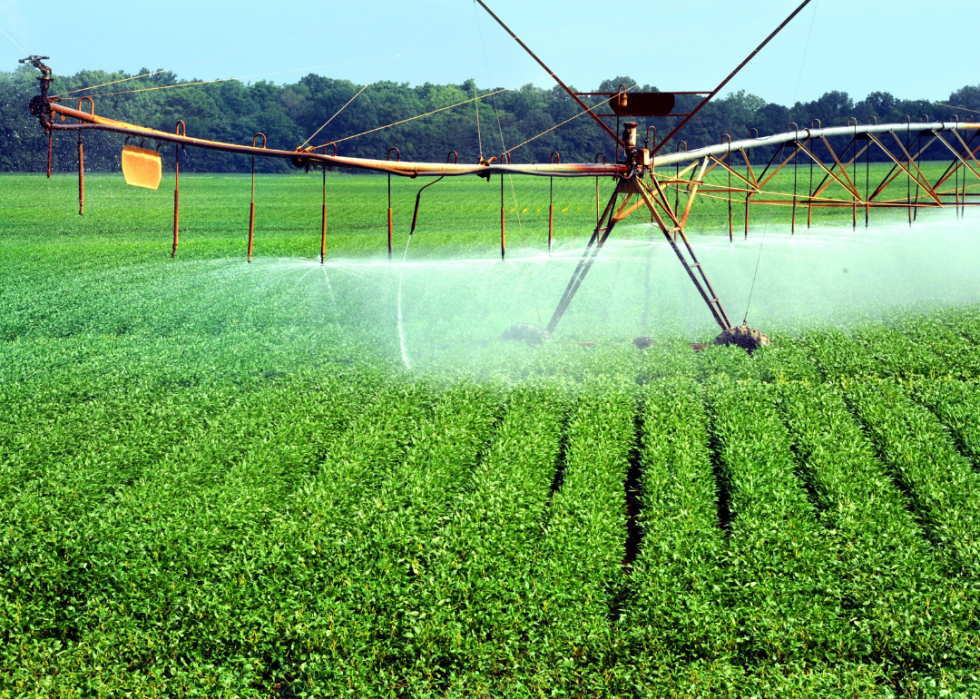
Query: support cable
(22, 49)
(333, 27)
(503, 145)
(388, 65)
(799, 79)
(943, 104)
(418, 116)
(479, 135)
(556, 126)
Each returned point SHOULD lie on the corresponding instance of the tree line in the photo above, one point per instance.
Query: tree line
(288, 114)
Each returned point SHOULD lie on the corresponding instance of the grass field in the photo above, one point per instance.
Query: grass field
(282, 479)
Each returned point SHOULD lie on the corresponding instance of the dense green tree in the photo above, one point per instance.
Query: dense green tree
(318, 110)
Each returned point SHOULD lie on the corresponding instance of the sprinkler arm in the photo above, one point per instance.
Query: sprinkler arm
(550, 72)
(303, 158)
(728, 79)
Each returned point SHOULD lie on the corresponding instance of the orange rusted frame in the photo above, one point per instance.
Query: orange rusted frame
(706, 291)
(899, 165)
(735, 172)
(177, 130)
(664, 203)
(777, 170)
(956, 153)
(942, 180)
(921, 180)
(748, 167)
(851, 189)
(403, 169)
(693, 192)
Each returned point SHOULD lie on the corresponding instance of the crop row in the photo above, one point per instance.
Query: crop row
(372, 606)
(470, 607)
(673, 618)
(914, 347)
(957, 405)
(157, 576)
(783, 576)
(894, 593)
(922, 456)
(578, 582)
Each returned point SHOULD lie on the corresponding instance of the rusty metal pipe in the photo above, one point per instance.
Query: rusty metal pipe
(585, 262)
(551, 203)
(251, 215)
(399, 168)
(181, 127)
(323, 224)
(81, 176)
(323, 221)
(81, 155)
(503, 221)
(418, 201)
(416, 169)
(391, 230)
(730, 76)
(550, 72)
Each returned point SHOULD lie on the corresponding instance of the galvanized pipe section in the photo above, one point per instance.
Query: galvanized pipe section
(804, 134)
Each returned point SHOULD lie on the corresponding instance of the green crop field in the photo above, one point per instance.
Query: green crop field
(285, 479)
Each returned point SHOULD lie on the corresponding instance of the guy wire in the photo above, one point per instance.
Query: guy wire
(22, 49)
(388, 65)
(547, 131)
(503, 145)
(114, 82)
(254, 48)
(419, 116)
(796, 92)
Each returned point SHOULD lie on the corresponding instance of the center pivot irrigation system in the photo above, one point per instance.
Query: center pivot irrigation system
(643, 174)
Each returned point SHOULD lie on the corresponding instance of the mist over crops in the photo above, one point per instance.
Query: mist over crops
(453, 310)
(292, 479)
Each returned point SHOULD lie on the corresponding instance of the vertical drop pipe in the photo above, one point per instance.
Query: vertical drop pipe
(551, 215)
(809, 187)
(854, 210)
(963, 213)
(867, 180)
(389, 217)
(180, 130)
(251, 215)
(323, 224)
(81, 176)
(731, 232)
(956, 188)
(677, 187)
(503, 220)
(918, 154)
(908, 171)
(747, 215)
(796, 172)
(50, 148)
(173, 253)
(809, 200)
(597, 202)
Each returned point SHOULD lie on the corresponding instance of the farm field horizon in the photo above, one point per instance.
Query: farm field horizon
(287, 479)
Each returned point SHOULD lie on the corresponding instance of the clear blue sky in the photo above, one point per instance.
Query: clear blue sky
(900, 47)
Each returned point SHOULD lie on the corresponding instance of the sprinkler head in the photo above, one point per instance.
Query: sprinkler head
(743, 336)
(526, 332)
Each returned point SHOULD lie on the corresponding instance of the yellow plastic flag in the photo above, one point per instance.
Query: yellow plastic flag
(141, 167)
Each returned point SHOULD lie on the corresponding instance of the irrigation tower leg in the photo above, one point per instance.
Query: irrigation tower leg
(609, 218)
(585, 263)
